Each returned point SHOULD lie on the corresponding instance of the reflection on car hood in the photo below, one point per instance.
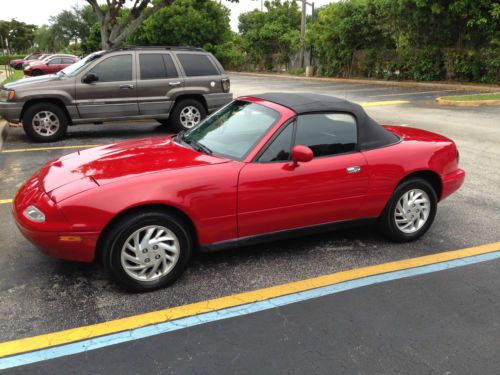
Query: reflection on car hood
(32, 82)
(106, 164)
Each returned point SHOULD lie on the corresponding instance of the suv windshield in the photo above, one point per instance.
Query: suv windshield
(232, 131)
(77, 67)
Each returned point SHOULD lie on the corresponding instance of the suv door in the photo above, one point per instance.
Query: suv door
(273, 195)
(158, 83)
(114, 94)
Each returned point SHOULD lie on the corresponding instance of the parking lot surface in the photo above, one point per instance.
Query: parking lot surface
(40, 294)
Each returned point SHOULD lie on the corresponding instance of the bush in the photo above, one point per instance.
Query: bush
(5, 60)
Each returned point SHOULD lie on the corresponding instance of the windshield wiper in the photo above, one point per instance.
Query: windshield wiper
(198, 146)
(195, 145)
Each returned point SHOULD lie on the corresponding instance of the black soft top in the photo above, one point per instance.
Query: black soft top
(370, 133)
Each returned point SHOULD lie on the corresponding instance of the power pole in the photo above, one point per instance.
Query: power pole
(302, 32)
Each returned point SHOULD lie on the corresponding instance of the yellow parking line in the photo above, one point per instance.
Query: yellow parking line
(388, 102)
(412, 93)
(47, 148)
(141, 320)
(5, 201)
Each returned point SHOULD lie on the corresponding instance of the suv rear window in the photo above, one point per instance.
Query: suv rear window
(157, 66)
(197, 65)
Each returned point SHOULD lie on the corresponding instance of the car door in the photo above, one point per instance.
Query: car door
(53, 65)
(114, 93)
(275, 195)
(158, 83)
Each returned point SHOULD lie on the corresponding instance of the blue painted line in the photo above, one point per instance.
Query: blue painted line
(156, 329)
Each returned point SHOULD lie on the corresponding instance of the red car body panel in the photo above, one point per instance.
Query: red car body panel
(225, 200)
(34, 57)
(47, 68)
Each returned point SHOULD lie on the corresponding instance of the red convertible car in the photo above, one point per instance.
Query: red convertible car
(261, 168)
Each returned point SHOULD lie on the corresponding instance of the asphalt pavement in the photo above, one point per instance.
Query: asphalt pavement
(437, 323)
(40, 294)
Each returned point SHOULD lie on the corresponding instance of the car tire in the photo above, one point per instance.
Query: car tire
(125, 259)
(18, 66)
(36, 72)
(45, 122)
(405, 222)
(186, 114)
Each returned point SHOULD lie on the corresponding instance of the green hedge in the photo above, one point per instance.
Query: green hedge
(4, 60)
(430, 64)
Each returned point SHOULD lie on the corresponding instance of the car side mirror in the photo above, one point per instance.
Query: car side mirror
(89, 78)
(301, 154)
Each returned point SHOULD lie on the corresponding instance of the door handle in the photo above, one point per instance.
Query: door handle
(174, 83)
(126, 87)
(353, 169)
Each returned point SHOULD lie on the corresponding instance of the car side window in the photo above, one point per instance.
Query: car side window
(279, 149)
(195, 65)
(157, 66)
(54, 61)
(327, 133)
(114, 69)
(67, 61)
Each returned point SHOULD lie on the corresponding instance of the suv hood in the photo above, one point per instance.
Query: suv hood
(39, 81)
(106, 164)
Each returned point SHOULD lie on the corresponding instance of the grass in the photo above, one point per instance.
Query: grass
(18, 74)
(463, 98)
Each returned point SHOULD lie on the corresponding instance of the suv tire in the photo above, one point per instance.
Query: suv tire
(186, 114)
(45, 122)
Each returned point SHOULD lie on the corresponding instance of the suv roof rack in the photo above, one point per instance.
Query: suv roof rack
(172, 48)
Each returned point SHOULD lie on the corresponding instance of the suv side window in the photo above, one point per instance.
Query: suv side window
(114, 68)
(157, 66)
(197, 65)
(327, 133)
(279, 149)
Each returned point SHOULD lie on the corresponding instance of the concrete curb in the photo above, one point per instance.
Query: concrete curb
(4, 125)
(466, 103)
(457, 86)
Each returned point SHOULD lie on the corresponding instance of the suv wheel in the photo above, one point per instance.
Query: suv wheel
(186, 114)
(45, 122)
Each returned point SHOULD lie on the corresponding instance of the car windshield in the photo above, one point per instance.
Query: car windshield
(232, 131)
(77, 67)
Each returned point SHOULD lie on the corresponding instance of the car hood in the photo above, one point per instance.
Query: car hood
(33, 82)
(106, 164)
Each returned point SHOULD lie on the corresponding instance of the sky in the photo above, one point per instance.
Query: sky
(39, 12)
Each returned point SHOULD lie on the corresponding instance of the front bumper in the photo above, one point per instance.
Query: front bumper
(452, 182)
(215, 101)
(54, 237)
(11, 111)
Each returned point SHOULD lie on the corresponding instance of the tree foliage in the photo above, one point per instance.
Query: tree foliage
(20, 35)
(273, 32)
(186, 22)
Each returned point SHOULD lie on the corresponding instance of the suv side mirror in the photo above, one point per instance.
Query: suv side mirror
(302, 154)
(89, 78)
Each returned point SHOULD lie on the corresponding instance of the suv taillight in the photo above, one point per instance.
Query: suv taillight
(226, 84)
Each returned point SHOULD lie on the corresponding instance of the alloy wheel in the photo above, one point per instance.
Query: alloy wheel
(190, 116)
(45, 123)
(150, 253)
(412, 211)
